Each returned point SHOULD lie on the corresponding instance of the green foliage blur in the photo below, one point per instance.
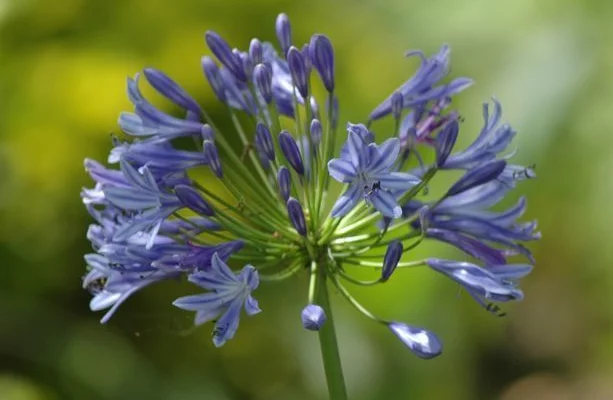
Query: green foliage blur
(63, 66)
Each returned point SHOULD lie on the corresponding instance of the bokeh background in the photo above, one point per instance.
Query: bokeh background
(63, 66)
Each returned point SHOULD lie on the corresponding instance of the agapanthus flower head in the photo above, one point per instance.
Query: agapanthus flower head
(170, 211)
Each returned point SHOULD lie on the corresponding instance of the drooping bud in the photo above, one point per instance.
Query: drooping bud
(264, 140)
(284, 180)
(225, 55)
(284, 32)
(255, 51)
(207, 133)
(297, 68)
(391, 259)
(397, 104)
(313, 317)
(190, 198)
(479, 175)
(210, 151)
(296, 216)
(263, 80)
(316, 132)
(291, 151)
(445, 141)
(211, 71)
(322, 58)
(424, 344)
(171, 90)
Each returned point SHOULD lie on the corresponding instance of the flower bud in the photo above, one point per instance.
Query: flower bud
(316, 132)
(313, 317)
(210, 151)
(391, 259)
(424, 344)
(445, 141)
(190, 198)
(322, 58)
(207, 133)
(296, 216)
(479, 175)
(297, 68)
(171, 90)
(255, 51)
(397, 104)
(225, 55)
(263, 80)
(284, 32)
(291, 151)
(284, 181)
(211, 71)
(263, 139)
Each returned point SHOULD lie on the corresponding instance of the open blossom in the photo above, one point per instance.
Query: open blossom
(170, 211)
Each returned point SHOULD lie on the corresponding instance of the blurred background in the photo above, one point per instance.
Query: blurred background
(63, 66)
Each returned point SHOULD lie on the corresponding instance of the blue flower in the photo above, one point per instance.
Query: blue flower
(465, 221)
(367, 168)
(158, 216)
(493, 283)
(492, 140)
(422, 87)
(228, 292)
(111, 286)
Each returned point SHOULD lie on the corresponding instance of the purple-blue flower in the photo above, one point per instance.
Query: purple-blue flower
(367, 169)
(188, 197)
(228, 292)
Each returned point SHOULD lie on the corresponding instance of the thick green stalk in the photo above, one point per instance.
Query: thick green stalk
(329, 348)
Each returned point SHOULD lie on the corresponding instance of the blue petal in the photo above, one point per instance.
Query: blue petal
(385, 203)
(357, 150)
(251, 306)
(385, 156)
(204, 316)
(395, 180)
(341, 170)
(226, 326)
(346, 201)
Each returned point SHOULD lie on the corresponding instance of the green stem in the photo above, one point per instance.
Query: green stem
(329, 348)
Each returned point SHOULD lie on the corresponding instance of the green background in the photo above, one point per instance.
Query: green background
(63, 66)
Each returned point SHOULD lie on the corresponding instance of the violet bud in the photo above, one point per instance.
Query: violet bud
(284, 180)
(284, 32)
(397, 104)
(264, 140)
(424, 344)
(479, 175)
(191, 199)
(291, 151)
(391, 259)
(255, 51)
(207, 133)
(296, 216)
(225, 55)
(316, 132)
(297, 68)
(445, 141)
(171, 90)
(210, 151)
(322, 58)
(313, 317)
(211, 71)
(263, 81)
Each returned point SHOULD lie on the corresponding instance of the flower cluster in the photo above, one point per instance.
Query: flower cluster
(184, 203)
